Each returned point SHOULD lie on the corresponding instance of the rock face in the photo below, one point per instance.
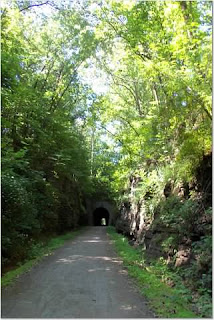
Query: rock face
(133, 220)
(182, 257)
(170, 234)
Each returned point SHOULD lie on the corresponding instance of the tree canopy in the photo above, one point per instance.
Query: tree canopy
(94, 93)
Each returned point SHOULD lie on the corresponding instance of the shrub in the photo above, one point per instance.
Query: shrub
(19, 217)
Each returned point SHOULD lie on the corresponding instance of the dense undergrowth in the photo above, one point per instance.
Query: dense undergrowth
(32, 208)
(165, 301)
(171, 224)
(45, 152)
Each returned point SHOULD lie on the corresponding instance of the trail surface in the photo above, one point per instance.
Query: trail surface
(83, 279)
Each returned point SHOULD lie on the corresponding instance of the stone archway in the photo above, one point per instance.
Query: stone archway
(93, 206)
(100, 217)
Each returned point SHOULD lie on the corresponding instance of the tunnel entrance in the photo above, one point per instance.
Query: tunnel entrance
(101, 217)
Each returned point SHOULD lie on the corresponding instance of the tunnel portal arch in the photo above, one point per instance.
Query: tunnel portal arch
(101, 217)
(93, 204)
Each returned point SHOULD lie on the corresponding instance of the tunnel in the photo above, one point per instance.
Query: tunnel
(100, 217)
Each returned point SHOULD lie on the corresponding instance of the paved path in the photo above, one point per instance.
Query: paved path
(83, 279)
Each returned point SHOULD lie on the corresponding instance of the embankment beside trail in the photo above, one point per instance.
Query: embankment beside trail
(167, 302)
(173, 228)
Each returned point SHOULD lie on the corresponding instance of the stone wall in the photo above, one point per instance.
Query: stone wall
(93, 204)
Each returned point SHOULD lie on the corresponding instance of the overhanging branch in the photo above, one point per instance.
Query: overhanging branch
(38, 5)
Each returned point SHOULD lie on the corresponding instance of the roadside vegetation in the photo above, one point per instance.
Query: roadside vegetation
(153, 281)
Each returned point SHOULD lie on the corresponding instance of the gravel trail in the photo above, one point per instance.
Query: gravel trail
(82, 279)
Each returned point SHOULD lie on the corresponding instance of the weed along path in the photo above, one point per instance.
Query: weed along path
(82, 279)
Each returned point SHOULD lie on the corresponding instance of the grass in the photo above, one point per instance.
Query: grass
(38, 252)
(165, 301)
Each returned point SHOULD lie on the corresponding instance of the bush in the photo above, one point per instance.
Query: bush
(181, 216)
(19, 217)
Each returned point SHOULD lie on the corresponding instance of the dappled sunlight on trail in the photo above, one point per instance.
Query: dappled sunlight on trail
(84, 279)
(76, 258)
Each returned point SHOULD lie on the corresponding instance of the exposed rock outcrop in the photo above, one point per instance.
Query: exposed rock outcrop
(170, 234)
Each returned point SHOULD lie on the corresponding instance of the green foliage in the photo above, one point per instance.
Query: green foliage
(203, 251)
(205, 305)
(178, 214)
(178, 279)
(62, 141)
(165, 301)
(158, 104)
(45, 165)
(170, 242)
(17, 224)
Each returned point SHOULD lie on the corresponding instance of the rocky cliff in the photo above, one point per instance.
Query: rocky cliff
(176, 226)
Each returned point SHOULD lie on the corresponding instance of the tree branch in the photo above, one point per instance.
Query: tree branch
(39, 5)
(34, 5)
(127, 121)
(119, 140)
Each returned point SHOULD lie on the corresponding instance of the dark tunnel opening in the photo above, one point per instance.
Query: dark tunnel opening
(101, 217)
